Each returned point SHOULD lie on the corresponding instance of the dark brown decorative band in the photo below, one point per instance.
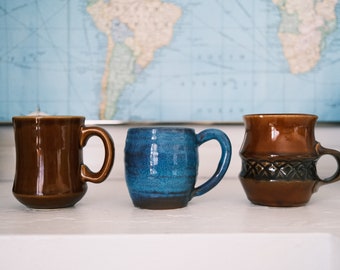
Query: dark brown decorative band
(279, 169)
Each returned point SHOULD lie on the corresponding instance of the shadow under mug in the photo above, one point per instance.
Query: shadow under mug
(49, 160)
(279, 156)
(161, 165)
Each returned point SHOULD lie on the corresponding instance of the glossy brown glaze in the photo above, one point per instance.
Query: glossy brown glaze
(290, 135)
(279, 156)
(278, 193)
(49, 161)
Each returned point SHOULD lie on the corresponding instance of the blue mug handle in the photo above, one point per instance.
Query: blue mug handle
(223, 140)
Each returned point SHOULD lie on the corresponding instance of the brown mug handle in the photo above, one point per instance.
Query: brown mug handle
(102, 174)
(336, 154)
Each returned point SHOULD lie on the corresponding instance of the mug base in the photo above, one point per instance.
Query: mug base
(49, 201)
(278, 193)
(160, 203)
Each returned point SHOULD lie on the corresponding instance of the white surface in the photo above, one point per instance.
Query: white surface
(220, 230)
(154, 252)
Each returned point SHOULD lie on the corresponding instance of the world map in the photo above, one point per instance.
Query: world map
(170, 60)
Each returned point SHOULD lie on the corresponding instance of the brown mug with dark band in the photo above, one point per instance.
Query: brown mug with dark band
(279, 156)
(49, 160)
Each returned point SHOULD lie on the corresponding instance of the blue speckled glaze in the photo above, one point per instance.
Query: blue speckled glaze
(161, 165)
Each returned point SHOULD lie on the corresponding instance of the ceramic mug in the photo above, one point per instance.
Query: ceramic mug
(279, 156)
(161, 165)
(49, 160)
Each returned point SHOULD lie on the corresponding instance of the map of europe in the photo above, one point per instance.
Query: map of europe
(170, 60)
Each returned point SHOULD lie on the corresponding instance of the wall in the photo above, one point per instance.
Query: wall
(328, 135)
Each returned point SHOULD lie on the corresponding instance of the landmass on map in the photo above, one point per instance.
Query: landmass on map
(135, 30)
(305, 24)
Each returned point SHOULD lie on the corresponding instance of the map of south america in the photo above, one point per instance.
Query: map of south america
(305, 24)
(171, 61)
(135, 30)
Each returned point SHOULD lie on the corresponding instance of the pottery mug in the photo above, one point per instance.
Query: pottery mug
(161, 165)
(49, 160)
(279, 156)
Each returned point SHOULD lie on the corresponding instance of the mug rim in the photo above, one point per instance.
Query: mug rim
(164, 128)
(279, 115)
(47, 117)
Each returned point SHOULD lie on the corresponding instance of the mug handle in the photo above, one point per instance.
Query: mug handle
(102, 174)
(336, 154)
(223, 140)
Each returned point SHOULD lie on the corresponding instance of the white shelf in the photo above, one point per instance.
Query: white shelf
(221, 229)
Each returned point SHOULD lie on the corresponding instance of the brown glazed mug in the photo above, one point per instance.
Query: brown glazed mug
(279, 156)
(49, 160)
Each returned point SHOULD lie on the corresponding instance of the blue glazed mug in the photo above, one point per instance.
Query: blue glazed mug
(161, 165)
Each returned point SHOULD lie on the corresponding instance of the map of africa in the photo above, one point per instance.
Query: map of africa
(170, 60)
